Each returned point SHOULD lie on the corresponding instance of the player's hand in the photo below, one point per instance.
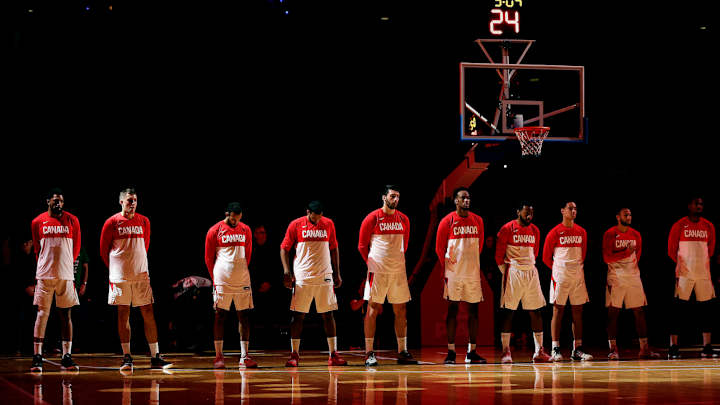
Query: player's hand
(265, 287)
(81, 290)
(288, 280)
(337, 280)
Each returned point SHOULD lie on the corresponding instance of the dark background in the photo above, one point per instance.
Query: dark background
(201, 103)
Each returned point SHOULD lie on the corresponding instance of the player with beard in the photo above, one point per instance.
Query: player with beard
(564, 252)
(382, 244)
(124, 241)
(691, 244)
(517, 248)
(622, 246)
(228, 248)
(458, 244)
(56, 241)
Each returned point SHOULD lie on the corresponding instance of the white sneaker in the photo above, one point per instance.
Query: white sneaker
(613, 355)
(556, 356)
(506, 357)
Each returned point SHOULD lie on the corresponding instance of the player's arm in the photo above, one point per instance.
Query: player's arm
(106, 238)
(285, 247)
(607, 247)
(481, 235)
(146, 236)
(406, 235)
(501, 248)
(536, 231)
(549, 249)
(248, 245)
(211, 250)
(711, 240)
(584, 245)
(76, 237)
(35, 229)
(674, 242)
(334, 256)
(638, 246)
(366, 230)
(441, 240)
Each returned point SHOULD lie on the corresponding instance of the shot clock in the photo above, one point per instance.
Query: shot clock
(505, 17)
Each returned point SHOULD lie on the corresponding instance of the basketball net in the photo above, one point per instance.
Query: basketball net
(531, 139)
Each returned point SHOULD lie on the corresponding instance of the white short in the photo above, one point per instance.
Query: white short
(63, 290)
(224, 296)
(625, 290)
(393, 286)
(323, 294)
(521, 285)
(135, 293)
(463, 290)
(704, 290)
(574, 290)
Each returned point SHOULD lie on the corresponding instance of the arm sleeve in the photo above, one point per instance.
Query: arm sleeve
(366, 230)
(406, 236)
(211, 250)
(248, 244)
(607, 245)
(146, 237)
(674, 242)
(501, 246)
(441, 240)
(289, 241)
(584, 245)
(106, 242)
(537, 241)
(548, 249)
(481, 231)
(76, 238)
(35, 237)
(638, 247)
(711, 241)
(332, 237)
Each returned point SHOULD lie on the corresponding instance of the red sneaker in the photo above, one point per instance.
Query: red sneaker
(541, 357)
(219, 362)
(248, 362)
(293, 361)
(336, 360)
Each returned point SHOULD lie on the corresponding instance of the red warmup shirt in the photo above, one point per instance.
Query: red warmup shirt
(312, 243)
(517, 246)
(227, 254)
(57, 244)
(564, 252)
(458, 244)
(690, 245)
(123, 247)
(621, 261)
(384, 240)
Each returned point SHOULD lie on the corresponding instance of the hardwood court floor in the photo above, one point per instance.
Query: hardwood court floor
(193, 381)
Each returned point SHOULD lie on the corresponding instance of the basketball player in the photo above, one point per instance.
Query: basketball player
(56, 240)
(564, 252)
(124, 241)
(382, 244)
(691, 245)
(518, 245)
(228, 248)
(458, 244)
(622, 246)
(314, 275)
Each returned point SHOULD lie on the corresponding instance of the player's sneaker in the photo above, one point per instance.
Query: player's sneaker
(158, 363)
(473, 358)
(67, 363)
(370, 360)
(247, 362)
(404, 357)
(451, 356)
(336, 360)
(219, 362)
(674, 352)
(579, 355)
(127, 363)
(708, 352)
(506, 357)
(37, 364)
(613, 355)
(556, 355)
(293, 361)
(541, 356)
(648, 354)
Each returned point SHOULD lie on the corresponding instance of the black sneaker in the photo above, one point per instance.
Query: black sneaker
(674, 352)
(127, 364)
(37, 363)
(404, 357)
(67, 363)
(474, 358)
(158, 363)
(708, 351)
(370, 360)
(579, 355)
(450, 359)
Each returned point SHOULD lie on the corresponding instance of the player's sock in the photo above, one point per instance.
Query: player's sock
(218, 347)
(369, 344)
(577, 343)
(125, 347)
(707, 338)
(451, 346)
(332, 344)
(37, 347)
(244, 344)
(295, 345)
(538, 338)
(612, 343)
(643, 343)
(402, 344)
(66, 347)
(471, 347)
(555, 343)
(154, 349)
(505, 339)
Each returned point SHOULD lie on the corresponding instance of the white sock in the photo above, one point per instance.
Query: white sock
(369, 344)
(707, 338)
(471, 347)
(577, 343)
(295, 345)
(37, 347)
(505, 339)
(332, 344)
(66, 347)
(538, 338)
(451, 346)
(218, 348)
(613, 344)
(125, 347)
(402, 344)
(643, 343)
(244, 348)
(555, 343)
(154, 349)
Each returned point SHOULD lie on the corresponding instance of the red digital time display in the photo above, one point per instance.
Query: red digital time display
(505, 16)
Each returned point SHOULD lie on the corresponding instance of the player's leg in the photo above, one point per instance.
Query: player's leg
(65, 298)
(398, 294)
(243, 316)
(612, 322)
(369, 325)
(641, 328)
(123, 324)
(451, 329)
(536, 324)
(219, 336)
(506, 334)
(334, 358)
(473, 322)
(44, 291)
(577, 329)
(296, 327)
(555, 329)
